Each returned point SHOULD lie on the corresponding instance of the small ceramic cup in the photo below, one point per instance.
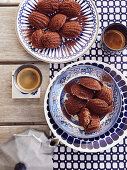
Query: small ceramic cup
(27, 79)
(118, 27)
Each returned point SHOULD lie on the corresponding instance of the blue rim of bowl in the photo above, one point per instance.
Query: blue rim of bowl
(102, 142)
(56, 60)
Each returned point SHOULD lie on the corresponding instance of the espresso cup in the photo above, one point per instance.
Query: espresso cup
(27, 79)
(114, 38)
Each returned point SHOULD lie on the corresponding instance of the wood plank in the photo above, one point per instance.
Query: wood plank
(10, 47)
(21, 110)
(10, 2)
(7, 132)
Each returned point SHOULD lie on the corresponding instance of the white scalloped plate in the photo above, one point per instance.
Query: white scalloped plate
(60, 54)
(113, 130)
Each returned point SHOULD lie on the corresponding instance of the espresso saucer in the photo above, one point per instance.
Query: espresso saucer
(16, 94)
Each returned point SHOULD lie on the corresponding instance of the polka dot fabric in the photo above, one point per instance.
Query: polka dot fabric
(65, 158)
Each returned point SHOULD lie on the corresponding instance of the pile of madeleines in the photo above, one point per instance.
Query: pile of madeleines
(52, 21)
(90, 100)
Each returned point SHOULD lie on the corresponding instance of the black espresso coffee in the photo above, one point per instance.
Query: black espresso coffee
(28, 79)
(114, 39)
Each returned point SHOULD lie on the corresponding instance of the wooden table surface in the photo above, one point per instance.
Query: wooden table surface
(17, 115)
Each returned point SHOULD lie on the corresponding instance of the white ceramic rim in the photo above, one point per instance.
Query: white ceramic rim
(46, 112)
(52, 60)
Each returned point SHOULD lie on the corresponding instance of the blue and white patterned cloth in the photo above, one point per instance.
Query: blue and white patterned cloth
(65, 158)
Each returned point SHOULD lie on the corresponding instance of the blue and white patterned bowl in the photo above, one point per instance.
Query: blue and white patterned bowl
(68, 131)
(60, 54)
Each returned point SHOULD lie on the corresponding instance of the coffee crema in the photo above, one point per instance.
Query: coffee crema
(114, 39)
(28, 79)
